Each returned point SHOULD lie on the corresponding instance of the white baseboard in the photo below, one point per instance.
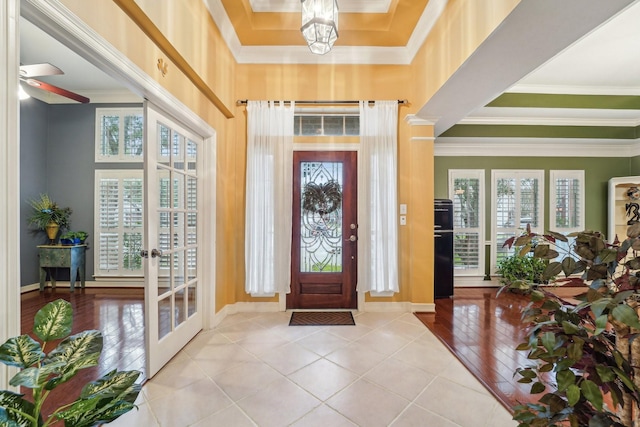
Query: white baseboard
(87, 284)
(475, 282)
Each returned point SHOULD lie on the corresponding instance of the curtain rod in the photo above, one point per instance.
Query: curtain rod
(400, 101)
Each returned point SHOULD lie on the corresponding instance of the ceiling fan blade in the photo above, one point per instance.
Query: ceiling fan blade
(44, 69)
(57, 90)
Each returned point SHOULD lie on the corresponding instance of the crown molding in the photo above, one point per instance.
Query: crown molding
(414, 120)
(549, 121)
(535, 147)
(351, 6)
(574, 90)
(356, 55)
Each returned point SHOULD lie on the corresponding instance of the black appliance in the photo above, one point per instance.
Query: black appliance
(443, 266)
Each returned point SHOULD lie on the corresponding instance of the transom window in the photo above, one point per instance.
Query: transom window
(119, 134)
(326, 125)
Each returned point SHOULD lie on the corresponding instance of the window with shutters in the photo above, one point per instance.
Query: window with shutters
(466, 190)
(566, 205)
(119, 223)
(119, 134)
(517, 202)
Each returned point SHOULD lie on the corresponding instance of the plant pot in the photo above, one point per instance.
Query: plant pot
(52, 231)
(66, 242)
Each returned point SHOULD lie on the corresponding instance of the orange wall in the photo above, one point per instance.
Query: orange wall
(190, 30)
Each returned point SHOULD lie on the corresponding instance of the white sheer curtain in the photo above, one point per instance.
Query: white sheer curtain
(378, 262)
(269, 197)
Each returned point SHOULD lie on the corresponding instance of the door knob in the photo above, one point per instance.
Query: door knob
(144, 253)
(352, 238)
(156, 253)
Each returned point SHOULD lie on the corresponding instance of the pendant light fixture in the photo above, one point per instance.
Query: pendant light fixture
(320, 24)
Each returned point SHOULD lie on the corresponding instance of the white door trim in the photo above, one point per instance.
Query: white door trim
(9, 179)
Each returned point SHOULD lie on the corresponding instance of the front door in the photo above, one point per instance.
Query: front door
(325, 230)
(173, 290)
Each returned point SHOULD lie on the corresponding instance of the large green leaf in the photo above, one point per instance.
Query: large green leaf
(608, 255)
(12, 406)
(592, 393)
(552, 270)
(53, 321)
(22, 351)
(565, 378)
(569, 266)
(103, 400)
(549, 341)
(627, 315)
(76, 352)
(34, 377)
(545, 252)
(573, 394)
(605, 373)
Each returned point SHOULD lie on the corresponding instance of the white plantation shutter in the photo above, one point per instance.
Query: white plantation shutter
(566, 200)
(466, 190)
(118, 231)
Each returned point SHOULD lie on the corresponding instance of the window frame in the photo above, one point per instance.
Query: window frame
(553, 197)
(517, 174)
(478, 174)
(121, 113)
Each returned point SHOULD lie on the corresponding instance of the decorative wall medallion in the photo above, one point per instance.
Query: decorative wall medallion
(162, 66)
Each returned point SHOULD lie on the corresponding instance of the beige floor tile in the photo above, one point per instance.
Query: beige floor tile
(323, 416)
(323, 342)
(443, 397)
(229, 417)
(350, 333)
(190, 404)
(433, 358)
(414, 416)
(261, 341)
(289, 358)
(255, 370)
(278, 404)
(140, 417)
(246, 379)
(323, 379)
(368, 404)
(356, 357)
(400, 378)
(384, 342)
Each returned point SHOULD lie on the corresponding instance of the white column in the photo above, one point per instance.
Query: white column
(9, 178)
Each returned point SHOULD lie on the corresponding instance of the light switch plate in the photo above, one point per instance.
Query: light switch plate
(403, 209)
(403, 220)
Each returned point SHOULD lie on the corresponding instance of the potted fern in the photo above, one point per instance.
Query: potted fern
(100, 401)
(48, 216)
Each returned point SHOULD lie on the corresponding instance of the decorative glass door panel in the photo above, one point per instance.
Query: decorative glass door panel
(321, 217)
(324, 246)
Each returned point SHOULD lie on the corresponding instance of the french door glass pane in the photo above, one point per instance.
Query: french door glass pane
(321, 217)
(165, 316)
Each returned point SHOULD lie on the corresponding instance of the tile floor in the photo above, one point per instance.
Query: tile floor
(255, 370)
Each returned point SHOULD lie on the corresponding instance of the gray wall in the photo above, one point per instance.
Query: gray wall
(58, 151)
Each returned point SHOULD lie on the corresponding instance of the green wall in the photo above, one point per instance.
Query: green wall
(598, 171)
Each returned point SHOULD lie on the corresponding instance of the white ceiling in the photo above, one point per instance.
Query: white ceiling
(355, 6)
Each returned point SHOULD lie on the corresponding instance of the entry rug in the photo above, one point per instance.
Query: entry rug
(321, 318)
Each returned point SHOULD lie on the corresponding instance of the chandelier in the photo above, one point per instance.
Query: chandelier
(320, 24)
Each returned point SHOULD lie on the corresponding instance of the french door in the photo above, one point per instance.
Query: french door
(325, 230)
(173, 290)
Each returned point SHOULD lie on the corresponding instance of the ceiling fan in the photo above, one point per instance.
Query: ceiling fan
(27, 72)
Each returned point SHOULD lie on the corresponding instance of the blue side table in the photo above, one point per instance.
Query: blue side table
(72, 257)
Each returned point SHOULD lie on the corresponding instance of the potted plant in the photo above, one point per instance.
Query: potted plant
(584, 353)
(522, 269)
(100, 401)
(73, 237)
(48, 216)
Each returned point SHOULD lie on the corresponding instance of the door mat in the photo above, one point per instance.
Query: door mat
(321, 318)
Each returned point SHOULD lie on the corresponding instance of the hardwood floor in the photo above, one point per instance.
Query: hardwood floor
(482, 331)
(117, 313)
